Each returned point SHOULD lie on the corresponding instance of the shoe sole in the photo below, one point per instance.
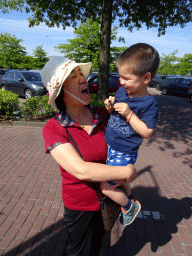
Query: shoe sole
(135, 214)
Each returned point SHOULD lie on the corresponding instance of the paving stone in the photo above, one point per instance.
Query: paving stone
(31, 219)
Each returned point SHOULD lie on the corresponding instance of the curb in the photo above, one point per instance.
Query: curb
(29, 124)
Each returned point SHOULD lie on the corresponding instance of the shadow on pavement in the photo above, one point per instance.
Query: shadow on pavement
(48, 242)
(174, 126)
(156, 223)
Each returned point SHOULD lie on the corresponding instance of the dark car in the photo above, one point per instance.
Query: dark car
(23, 83)
(113, 85)
(177, 85)
(189, 93)
(157, 80)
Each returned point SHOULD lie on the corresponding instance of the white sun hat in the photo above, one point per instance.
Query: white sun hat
(54, 73)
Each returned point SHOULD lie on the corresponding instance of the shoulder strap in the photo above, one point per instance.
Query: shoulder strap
(74, 144)
(79, 152)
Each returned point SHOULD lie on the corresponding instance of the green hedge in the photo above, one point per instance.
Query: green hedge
(9, 102)
(34, 108)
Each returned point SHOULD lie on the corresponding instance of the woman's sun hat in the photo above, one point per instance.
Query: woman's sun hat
(54, 73)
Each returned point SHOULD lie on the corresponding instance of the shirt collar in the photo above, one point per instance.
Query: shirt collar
(65, 120)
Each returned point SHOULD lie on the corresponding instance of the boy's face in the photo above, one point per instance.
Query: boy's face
(135, 85)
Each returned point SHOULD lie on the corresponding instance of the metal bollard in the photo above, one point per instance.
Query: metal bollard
(16, 115)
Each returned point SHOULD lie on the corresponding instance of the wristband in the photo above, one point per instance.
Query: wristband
(130, 116)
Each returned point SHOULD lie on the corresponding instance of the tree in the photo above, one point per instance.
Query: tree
(11, 52)
(185, 64)
(114, 54)
(40, 57)
(168, 64)
(130, 13)
(85, 46)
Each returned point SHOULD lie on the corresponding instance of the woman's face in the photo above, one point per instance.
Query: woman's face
(76, 83)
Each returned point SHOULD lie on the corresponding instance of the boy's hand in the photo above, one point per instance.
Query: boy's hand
(109, 104)
(123, 109)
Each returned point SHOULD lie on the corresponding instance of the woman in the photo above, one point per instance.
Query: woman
(68, 90)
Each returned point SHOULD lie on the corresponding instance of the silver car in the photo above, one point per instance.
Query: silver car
(24, 83)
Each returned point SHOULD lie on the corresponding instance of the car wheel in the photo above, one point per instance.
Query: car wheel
(3, 87)
(28, 94)
(164, 91)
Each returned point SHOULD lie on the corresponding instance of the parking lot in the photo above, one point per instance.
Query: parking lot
(180, 99)
(31, 219)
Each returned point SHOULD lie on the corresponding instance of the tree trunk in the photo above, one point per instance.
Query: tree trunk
(103, 76)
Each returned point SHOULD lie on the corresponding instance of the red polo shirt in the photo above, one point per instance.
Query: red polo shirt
(79, 195)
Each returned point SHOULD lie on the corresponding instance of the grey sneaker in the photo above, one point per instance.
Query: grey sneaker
(128, 217)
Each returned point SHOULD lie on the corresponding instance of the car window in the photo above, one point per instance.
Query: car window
(32, 76)
(2, 72)
(187, 82)
(10, 75)
(168, 80)
(111, 80)
(94, 81)
(178, 80)
(18, 76)
(5, 76)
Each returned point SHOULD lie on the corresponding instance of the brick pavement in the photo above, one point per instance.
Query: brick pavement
(31, 210)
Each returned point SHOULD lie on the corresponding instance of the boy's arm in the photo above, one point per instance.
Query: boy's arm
(137, 124)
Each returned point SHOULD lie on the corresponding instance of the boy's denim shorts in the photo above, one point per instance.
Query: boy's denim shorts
(116, 158)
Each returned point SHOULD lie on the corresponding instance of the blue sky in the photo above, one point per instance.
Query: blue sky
(16, 24)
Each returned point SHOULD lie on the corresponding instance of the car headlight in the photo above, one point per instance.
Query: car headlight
(37, 87)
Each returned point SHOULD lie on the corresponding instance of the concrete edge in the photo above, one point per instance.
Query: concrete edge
(29, 124)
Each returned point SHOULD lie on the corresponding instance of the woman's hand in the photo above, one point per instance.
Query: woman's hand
(109, 104)
(118, 183)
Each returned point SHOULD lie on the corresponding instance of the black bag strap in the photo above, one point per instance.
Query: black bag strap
(74, 144)
(79, 152)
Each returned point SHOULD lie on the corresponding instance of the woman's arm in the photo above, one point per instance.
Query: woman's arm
(67, 157)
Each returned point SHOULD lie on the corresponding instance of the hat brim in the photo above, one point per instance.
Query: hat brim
(85, 68)
(55, 72)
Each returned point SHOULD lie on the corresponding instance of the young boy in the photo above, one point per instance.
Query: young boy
(133, 117)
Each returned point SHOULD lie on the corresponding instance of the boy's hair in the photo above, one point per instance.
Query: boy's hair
(140, 58)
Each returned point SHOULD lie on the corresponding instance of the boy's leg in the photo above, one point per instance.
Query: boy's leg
(114, 193)
(129, 215)
(131, 208)
(126, 189)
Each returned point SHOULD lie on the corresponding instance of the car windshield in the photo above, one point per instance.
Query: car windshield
(32, 76)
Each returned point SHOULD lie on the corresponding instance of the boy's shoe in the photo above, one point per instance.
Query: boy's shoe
(128, 217)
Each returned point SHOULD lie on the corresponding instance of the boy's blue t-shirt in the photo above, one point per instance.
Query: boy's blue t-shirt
(119, 134)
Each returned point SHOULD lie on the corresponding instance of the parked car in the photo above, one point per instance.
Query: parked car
(189, 93)
(159, 85)
(113, 85)
(23, 83)
(177, 85)
(157, 80)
